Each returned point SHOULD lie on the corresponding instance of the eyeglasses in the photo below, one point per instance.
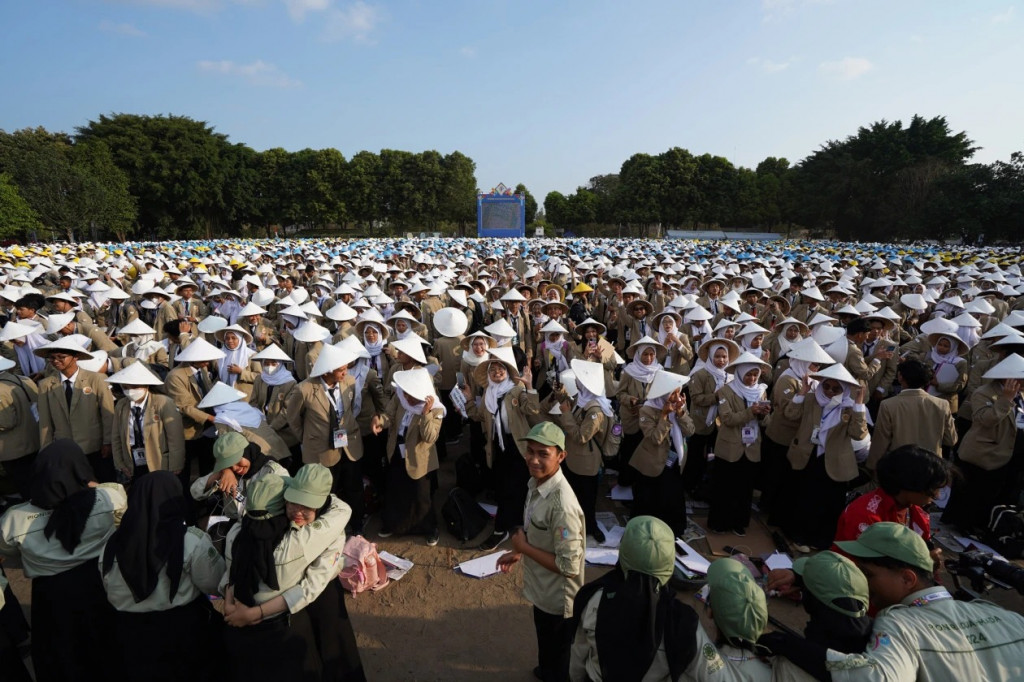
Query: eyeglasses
(59, 357)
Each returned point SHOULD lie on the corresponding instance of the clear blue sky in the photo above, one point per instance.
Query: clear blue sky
(545, 93)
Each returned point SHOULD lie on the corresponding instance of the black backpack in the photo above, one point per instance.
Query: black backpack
(1005, 530)
(463, 516)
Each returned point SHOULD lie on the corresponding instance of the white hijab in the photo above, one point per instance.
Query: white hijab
(585, 397)
(410, 410)
(282, 375)
(238, 415)
(675, 432)
(30, 362)
(555, 348)
(494, 392)
(239, 356)
(638, 370)
(358, 371)
(751, 394)
(831, 412)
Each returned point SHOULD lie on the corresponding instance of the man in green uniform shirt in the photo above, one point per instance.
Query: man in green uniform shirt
(551, 549)
(921, 632)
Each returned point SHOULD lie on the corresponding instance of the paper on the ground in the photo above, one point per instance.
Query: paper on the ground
(214, 520)
(602, 556)
(607, 519)
(397, 566)
(481, 567)
(968, 543)
(622, 492)
(612, 536)
(491, 509)
(691, 558)
(693, 531)
(778, 560)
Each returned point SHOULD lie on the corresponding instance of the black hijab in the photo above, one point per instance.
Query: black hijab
(151, 536)
(252, 555)
(635, 615)
(835, 630)
(60, 481)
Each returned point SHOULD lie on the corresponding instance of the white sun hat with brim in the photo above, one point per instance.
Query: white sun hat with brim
(221, 394)
(243, 333)
(311, 332)
(731, 346)
(659, 349)
(1008, 340)
(141, 286)
(250, 309)
(665, 382)
(751, 328)
(402, 314)
(211, 324)
(999, 331)
(412, 346)
(590, 375)
(821, 319)
(330, 359)
(353, 344)
(502, 354)
(6, 364)
(383, 329)
(199, 350)
(748, 359)
(135, 374)
(966, 320)
(808, 350)
(450, 322)
(64, 345)
(136, 328)
(63, 296)
(838, 373)
(416, 383)
(955, 341)
(96, 362)
(552, 327)
(310, 309)
(833, 341)
(341, 312)
(263, 297)
(1012, 367)
(54, 323)
(501, 328)
(468, 340)
(273, 352)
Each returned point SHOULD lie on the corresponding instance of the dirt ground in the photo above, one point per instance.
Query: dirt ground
(436, 624)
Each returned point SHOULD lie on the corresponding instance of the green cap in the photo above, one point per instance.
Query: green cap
(893, 540)
(264, 499)
(310, 486)
(547, 433)
(830, 576)
(648, 546)
(228, 450)
(739, 605)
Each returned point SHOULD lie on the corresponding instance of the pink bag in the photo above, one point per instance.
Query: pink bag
(364, 569)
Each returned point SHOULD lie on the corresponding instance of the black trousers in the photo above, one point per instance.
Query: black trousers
(630, 442)
(409, 504)
(662, 497)
(553, 641)
(20, 471)
(696, 465)
(511, 476)
(817, 505)
(103, 467)
(334, 637)
(348, 486)
(585, 488)
(732, 492)
(774, 470)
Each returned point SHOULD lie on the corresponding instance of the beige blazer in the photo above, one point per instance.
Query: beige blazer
(90, 419)
(523, 409)
(276, 410)
(309, 414)
(629, 390)
(651, 454)
(702, 398)
(582, 427)
(19, 432)
(199, 309)
(840, 462)
(162, 434)
(420, 436)
(733, 414)
(988, 444)
(183, 389)
(912, 417)
(781, 428)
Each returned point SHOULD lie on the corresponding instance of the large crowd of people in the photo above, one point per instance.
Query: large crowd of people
(184, 424)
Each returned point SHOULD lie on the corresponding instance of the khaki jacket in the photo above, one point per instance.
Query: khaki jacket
(733, 414)
(522, 407)
(912, 417)
(988, 444)
(309, 414)
(702, 399)
(449, 356)
(19, 431)
(629, 390)
(420, 436)
(199, 310)
(949, 390)
(780, 428)
(183, 388)
(269, 442)
(651, 454)
(583, 428)
(276, 410)
(840, 461)
(89, 421)
(162, 434)
(373, 402)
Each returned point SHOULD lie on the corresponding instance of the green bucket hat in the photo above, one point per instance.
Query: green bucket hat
(830, 576)
(264, 499)
(739, 605)
(547, 433)
(228, 450)
(310, 486)
(893, 540)
(648, 546)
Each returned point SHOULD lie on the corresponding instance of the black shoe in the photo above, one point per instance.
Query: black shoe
(739, 532)
(433, 538)
(496, 539)
(598, 534)
(384, 533)
(538, 673)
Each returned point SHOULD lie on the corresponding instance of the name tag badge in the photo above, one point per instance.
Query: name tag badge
(748, 434)
(139, 455)
(815, 440)
(340, 439)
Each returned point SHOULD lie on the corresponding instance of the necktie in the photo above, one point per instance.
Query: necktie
(201, 381)
(137, 425)
(714, 306)
(68, 391)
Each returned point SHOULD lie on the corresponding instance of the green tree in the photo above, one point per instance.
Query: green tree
(556, 208)
(530, 203)
(16, 217)
(457, 202)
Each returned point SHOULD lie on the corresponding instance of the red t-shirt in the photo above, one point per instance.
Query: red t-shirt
(875, 506)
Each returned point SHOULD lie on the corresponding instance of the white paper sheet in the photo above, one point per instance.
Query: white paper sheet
(778, 560)
(481, 567)
(621, 493)
(602, 556)
(396, 565)
(691, 558)
(612, 536)
(970, 543)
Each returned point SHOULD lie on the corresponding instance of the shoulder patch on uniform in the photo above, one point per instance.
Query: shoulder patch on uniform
(594, 416)
(714, 661)
(722, 401)
(787, 391)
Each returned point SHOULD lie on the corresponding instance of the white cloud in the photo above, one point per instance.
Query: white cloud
(1004, 17)
(768, 66)
(467, 51)
(124, 29)
(356, 20)
(200, 6)
(297, 9)
(847, 68)
(258, 73)
(773, 9)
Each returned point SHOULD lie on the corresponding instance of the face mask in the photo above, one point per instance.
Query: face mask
(136, 395)
(271, 369)
(836, 400)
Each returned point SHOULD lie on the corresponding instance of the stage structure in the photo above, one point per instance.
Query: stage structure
(502, 213)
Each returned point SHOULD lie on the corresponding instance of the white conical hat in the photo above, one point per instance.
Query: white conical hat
(353, 344)
(136, 328)
(220, 394)
(199, 350)
(341, 312)
(54, 323)
(330, 359)
(64, 345)
(310, 332)
(568, 380)
(751, 328)
(412, 346)
(272, 352)
(747, 358)
(459, 296)
(251, 308)
(914, 301)
(1012, 367)
(837, 372)
(501, 328)
(966, 320)
(136, 374)
(211, 324)
(552, 327)
(998, 331)
(590, 375)
(450, 322)
(512, 294)
(664, 382)
(980, 305)
(95, 363)
(294, 311)
(263, 297)
(939, 325)
(416, 383)
(6, 364)
(820, 319)
(697, 313)
(808, 350)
